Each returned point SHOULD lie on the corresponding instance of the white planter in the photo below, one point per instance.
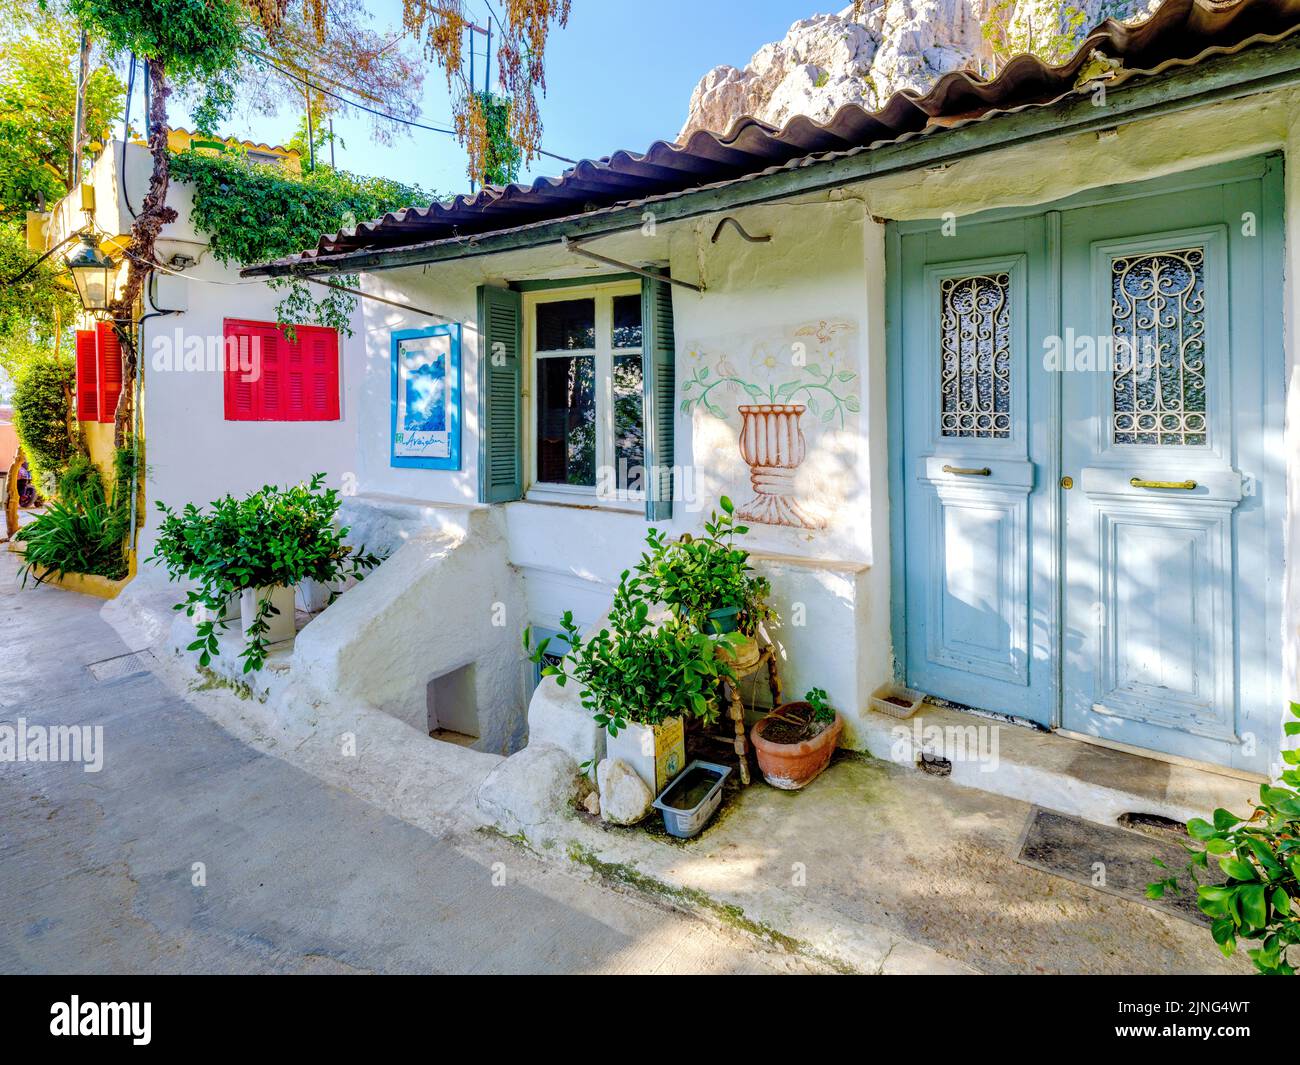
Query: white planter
(280, 625)
(229, 611)
(657, 753)
(314, 596)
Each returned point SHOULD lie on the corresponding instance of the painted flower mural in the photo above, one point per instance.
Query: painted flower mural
(777, 379)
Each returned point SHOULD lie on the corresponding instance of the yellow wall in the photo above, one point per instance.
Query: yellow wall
(178, 140)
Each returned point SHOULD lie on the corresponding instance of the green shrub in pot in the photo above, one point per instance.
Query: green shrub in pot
(707, 581)
(635, 669)
(274, 537)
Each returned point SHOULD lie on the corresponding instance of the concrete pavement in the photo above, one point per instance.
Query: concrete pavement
(191, 852)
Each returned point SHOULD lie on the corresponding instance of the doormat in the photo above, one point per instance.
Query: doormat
(1112, 860)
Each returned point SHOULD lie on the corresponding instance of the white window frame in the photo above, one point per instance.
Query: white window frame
(604, 353)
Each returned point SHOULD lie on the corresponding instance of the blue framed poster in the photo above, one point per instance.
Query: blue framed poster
(426, 398)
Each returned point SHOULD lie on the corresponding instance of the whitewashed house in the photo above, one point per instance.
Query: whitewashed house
(211, 425)
(885, 339)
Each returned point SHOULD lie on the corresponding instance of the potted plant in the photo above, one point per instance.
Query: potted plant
(257, 549)
(708, 583)
(794, 743)
(639, 678)
(186, 540)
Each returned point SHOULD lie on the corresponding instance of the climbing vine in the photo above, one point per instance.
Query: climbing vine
(502, 156)
(253, 213)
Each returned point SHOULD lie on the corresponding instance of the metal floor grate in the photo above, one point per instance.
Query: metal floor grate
(122, 666)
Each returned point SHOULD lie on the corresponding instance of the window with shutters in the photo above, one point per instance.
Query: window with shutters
(587, 428)
(270, 378)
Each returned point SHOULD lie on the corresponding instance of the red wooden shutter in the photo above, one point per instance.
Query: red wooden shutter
(270, 392)
(294, 381)
(295, 378)
(108, 369)
(320, 353)
(240, 385)
(87, 377)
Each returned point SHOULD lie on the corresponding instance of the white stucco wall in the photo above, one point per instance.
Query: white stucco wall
(831, 585)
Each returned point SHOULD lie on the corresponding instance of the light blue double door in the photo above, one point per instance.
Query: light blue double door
(1088, 470)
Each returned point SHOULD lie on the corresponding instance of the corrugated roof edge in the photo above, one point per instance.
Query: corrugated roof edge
(751, 148)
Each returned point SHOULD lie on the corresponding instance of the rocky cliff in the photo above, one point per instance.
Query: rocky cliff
(827, 61)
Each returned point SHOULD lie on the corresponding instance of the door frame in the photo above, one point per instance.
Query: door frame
(1268, 170)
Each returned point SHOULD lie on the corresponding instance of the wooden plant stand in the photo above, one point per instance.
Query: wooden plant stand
(736, 707)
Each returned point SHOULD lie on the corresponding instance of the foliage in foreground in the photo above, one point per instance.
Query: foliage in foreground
(40, 403)
(1260, 855)
(636, 669)
(696, 576)
(84, 529)
(271, 537)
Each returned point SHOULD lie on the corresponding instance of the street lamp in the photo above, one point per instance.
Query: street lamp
(94, 274)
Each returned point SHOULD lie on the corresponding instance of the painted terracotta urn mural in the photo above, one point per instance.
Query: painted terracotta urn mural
(782, 385)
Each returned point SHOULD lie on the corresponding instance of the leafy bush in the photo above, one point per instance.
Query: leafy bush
(40, 403)
(635, 670)
(1260, 854)
(254, 212)
(80, 532)
(697, 576)
(274, 536)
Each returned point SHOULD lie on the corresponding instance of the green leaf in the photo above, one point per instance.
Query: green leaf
(1254, 907)
(1225, 819)
(725, 503)
(1237, 869)
(1200, 829)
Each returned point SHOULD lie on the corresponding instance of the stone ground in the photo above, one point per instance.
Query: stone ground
(931, 862)
(301, 876)
(322, 864)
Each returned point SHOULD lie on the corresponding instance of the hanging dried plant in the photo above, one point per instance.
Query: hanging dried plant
(440, 25)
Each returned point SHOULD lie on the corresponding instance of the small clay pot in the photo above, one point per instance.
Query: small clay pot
(791, 766)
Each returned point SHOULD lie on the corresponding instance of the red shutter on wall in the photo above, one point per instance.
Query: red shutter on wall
(108, 369)
(87, 387)
(292, 381)
(320, 361)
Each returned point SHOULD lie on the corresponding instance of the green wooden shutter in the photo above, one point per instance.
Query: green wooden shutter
(660, 377)
(500, 450)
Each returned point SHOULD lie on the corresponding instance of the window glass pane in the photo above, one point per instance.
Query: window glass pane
(629, 444)
(975, 356)
(566, 325)
(566, 420)
(1158, 325)
(627, 321)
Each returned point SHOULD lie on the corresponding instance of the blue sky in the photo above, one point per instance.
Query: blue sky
(620, 76)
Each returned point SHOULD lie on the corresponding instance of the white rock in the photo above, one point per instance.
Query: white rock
(826, 61)
(624, 798)
(592, 804)
(535, 787)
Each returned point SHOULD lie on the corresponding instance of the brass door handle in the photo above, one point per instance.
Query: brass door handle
(1181, 486)
(966, 471)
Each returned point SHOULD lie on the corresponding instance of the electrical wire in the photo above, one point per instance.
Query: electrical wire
(388, 116)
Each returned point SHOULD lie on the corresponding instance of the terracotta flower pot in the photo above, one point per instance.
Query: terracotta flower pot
(791, 766)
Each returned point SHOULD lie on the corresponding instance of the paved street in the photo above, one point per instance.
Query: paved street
(97, 869)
